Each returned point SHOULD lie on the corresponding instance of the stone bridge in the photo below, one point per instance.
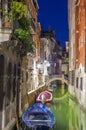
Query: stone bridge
(57, 77)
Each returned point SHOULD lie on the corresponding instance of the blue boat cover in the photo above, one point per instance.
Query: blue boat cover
(38, 115)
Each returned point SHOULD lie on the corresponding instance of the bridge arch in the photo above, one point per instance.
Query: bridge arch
(58, 78)
(63, 81)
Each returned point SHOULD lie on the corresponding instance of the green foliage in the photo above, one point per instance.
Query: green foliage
(25, 37)
(20, 14)
(29, 46)
(22, 34)
(25, 22)
(18, 10)
(67, 59)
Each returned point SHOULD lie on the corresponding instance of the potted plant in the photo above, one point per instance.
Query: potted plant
(7, 19)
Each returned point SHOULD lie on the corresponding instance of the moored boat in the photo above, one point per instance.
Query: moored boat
(38, 116)
(44, 97)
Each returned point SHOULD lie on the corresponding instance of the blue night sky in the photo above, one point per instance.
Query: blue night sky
(53, 14)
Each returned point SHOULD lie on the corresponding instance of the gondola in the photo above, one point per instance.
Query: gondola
(44, 97)
(38, 116)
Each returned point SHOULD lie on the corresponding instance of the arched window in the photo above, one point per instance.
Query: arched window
(77, 2)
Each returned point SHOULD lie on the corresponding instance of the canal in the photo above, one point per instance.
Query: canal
(68, 114)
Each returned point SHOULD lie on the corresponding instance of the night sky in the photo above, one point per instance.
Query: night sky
(54, 14)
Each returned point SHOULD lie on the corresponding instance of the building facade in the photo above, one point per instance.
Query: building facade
(79, 24)
(65, 61)
(80, 51)
(10, 63)
(18, 57)
(71, 20)
(51, 55)
(30, 72)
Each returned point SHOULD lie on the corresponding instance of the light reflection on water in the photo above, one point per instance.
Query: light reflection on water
(68, 114)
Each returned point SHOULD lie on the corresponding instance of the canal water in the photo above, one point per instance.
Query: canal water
(67, 112)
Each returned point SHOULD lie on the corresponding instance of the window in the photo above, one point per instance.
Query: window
(19, 70)
(73, 76)
(45, 56)
(35, 4)
(26, 76)
(77, 80)
(81, 83)
(77, 2)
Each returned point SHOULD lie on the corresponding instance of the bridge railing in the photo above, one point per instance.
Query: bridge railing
(56, 76)
(59, 76)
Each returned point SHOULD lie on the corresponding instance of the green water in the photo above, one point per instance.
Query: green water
(68, 114)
